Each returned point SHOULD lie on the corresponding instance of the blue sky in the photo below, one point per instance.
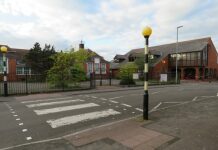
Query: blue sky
(108, 27)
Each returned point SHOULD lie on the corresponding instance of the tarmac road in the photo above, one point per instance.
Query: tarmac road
(176, 110)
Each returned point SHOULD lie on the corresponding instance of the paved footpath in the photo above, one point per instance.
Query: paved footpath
(123, 135)
(129, 133)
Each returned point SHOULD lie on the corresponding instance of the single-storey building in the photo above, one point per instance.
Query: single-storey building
(196, 59)
(96, 64)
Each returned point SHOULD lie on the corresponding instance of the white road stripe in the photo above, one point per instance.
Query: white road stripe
(53, 103)
(79, 118)
(18, 119)
(20, 124)
(155, 107)
(155, 92)
(139, 109)
(24, 130)
(217, 94)
(194, 99)
(15, 115)
(126, 105)
(28, 138)
(114, 102)
(116, 97)
(64, 108)
(44, 100)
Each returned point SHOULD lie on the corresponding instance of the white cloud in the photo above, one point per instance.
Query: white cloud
(118, 22)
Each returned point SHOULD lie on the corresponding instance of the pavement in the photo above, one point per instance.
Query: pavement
(127, 134)
(180, 117)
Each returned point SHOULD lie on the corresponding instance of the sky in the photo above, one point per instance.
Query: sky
(108, 27)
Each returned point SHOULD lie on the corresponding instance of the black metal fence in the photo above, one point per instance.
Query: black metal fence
(27, 84)
(155, 78)
(103, 80)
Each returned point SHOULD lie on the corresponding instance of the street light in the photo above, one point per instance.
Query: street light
(4, 50)
(177, 37)
(146, 32)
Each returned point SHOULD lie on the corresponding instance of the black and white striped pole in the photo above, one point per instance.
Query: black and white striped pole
(4, 51)
(146, 33)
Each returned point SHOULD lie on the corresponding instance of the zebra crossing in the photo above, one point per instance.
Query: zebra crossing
(54, 106)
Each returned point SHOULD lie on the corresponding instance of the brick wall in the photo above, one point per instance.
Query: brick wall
(212, 56)
(162, 66)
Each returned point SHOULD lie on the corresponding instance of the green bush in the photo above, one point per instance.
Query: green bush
(126, 73)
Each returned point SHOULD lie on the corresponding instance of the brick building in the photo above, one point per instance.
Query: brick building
(16, 68)
(96, 64)
(197, 59)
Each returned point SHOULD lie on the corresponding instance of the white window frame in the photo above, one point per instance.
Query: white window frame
(97, 72)
(23, 71)
(103, 64)
(88, 67)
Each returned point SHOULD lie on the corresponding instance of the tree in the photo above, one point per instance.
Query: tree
(40, 60)
(68, 68)
(126, 73)
(140, 62)
(47, 61)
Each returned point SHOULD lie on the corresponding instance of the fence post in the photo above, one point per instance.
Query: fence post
(91, 86)
(110, 76)
(94, 80)
(26, 83)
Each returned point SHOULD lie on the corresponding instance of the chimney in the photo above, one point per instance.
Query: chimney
(81, 45)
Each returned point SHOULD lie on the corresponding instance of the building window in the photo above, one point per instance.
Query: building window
(97, 68)
(26, 70)
(19, 70)
(103, 68)
(187, 59)
(89, 67)
(23, 70)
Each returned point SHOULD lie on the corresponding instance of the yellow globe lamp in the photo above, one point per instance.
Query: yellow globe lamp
(146, 32)
(4, 49)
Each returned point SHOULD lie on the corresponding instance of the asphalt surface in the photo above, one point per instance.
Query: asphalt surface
(187, 111)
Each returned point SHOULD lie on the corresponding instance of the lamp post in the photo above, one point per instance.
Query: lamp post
(4, 50)
(146, 33)
(177, 37)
